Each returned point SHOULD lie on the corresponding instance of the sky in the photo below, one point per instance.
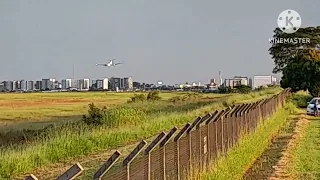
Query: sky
(174, 41)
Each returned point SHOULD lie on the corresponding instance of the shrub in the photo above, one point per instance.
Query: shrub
(153, 96)
(95, 115)
(243, 89)
(185, 97)
(224, 89)
(137, 98)
(301, 99)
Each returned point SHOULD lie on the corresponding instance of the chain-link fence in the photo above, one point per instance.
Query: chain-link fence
(182, 154)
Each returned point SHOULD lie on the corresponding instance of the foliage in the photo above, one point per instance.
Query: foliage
(243, 89)
(153, 96)
(96, 116)
(282, 53)
(224, 89)
(303, 72)
(137, 98)
(185, 97)
(298, 62)
(301, 99)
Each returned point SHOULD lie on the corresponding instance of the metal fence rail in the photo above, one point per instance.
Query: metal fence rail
(179, 155)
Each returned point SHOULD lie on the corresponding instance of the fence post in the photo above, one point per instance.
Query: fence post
(71, 173)
(147, 151)
(229, 126)
(202, 144)
(31, 177)
(126, 162)
(212, 134)
(106, 166)
(162, 144)
(177, 152)
(194, 123)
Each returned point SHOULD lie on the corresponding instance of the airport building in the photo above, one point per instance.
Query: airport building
(30, 85)
(262, 80)
(102, 84)
(121, 83)
(48, 84)
(236, 81)
(66, 84)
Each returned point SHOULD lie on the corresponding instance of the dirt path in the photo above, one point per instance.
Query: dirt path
(272, 163)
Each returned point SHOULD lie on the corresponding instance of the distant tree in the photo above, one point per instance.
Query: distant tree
(224, 89)
(243, 89)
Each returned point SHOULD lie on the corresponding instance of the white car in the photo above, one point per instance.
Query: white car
(310, 107)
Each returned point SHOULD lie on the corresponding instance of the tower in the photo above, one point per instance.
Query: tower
(220, 78)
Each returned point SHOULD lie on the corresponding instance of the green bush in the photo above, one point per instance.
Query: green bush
(153, 96)
(225, 89)
(137, 98)
(186, 97)
(243, 89)
(95, 115)
(301, 99)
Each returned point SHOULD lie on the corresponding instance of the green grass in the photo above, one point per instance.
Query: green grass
(240, 158)
(77, 140)
(306, 155)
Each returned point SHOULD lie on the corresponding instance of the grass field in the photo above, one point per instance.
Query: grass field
(35, 110)
(131, 122)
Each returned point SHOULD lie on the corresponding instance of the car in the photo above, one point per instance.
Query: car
(310, 107)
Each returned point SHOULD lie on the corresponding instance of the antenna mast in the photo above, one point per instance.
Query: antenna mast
(73, 71)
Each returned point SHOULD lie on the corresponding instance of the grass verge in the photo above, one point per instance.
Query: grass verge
(250, 147)
(305, 156)
(83, 140)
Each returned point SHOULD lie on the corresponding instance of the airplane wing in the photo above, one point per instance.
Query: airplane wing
(101, 64)
(118, 63)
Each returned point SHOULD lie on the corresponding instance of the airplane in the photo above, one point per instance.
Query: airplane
(110, 64)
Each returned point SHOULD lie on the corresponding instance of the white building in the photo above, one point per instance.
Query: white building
(102, 83)
(47, 84)
(29, 85)
(236, 81)
(128, 83)
(66, 84)
(121, 83)
(23, 85)
(258, 81)
(83, 84)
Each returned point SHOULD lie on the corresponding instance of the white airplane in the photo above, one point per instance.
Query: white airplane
(110, 64)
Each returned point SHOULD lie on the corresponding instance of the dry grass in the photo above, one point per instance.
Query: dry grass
(36, 110)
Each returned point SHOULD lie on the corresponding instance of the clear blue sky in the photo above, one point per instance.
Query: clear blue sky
(169, 40)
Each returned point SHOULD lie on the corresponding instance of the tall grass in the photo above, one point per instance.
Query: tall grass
(78, 140)
(250, 147)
